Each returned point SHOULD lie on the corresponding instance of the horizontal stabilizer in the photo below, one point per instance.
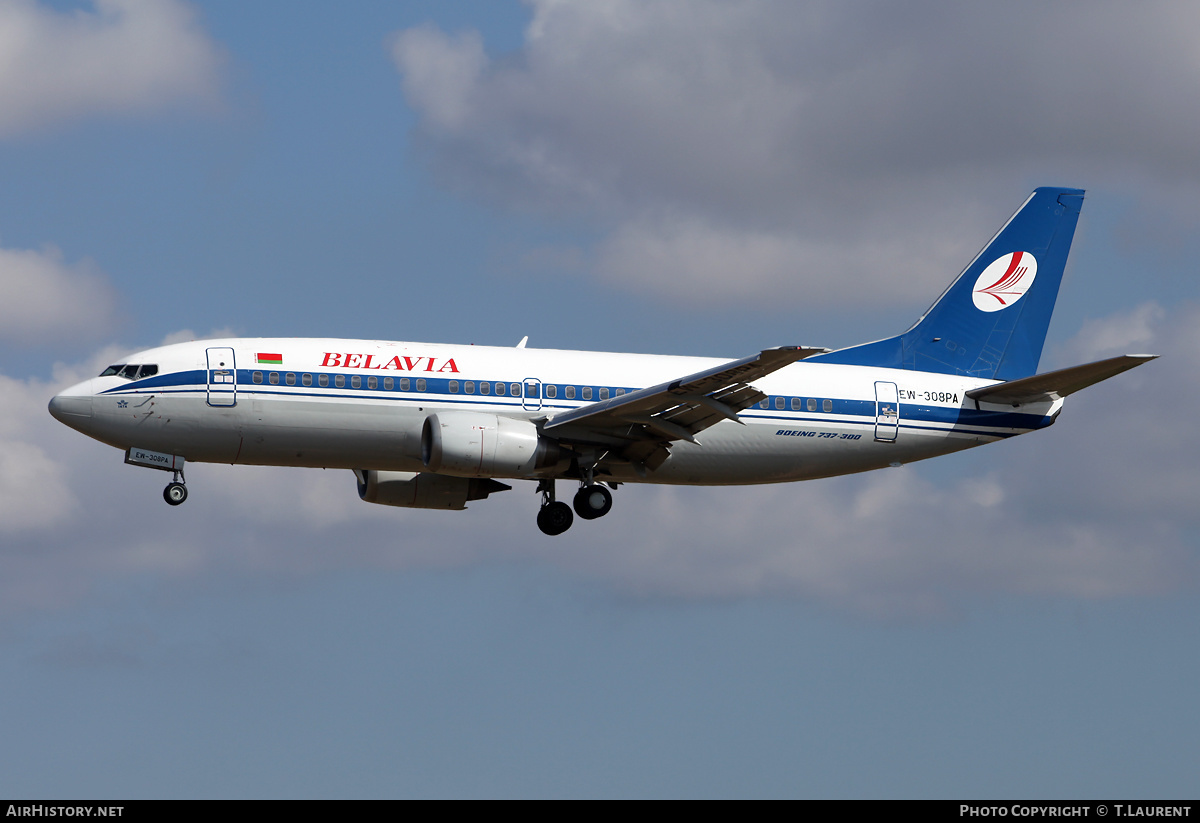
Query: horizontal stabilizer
(1056, 384)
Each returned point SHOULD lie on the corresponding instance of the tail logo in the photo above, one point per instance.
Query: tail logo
(1005, 281)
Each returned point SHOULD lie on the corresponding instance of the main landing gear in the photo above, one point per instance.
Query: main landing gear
(591, 501)
(175, 492)
(554, 517)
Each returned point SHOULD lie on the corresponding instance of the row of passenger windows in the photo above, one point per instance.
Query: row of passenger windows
(550, 390)
(131, 371)
(797, 404)
(339, 381)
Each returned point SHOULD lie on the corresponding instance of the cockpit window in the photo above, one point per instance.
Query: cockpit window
(131, 371)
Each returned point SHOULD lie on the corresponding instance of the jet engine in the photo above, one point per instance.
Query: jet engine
(472, 444)
(423, 490)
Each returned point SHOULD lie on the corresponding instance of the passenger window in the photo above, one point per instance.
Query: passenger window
(273, 378)
(111, 370)
(570, 392)
(500, 389)
(587, 392)
(306, 379)
(372, 382)
(620, 392)
(420, 384)
(469, 387)
(454, 387)
(766, 404)
(256, 377)
(323, 381)
(552, 390)
(290, 379)
(826, 406)
(389, 383)
(356, 382)
(795, 404)
(812, 404)
(485, 388)
(404, 384)
(779, 403)
(339, 380)
(514, 389)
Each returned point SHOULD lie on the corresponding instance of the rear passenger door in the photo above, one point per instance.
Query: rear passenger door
(887, 412)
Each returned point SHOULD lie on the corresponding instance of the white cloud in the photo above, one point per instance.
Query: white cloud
(1127, 333)
(440, 73)
(125, 55)
(35, 492)
(43, 298)
(817, 143)
(690, 259)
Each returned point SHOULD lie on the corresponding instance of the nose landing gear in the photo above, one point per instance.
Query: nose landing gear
(175, 492)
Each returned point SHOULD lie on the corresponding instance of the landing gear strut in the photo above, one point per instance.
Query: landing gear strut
(175, 492)
(554, 517)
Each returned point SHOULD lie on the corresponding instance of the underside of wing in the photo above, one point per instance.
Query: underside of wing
(1055, 384)
(639, 427)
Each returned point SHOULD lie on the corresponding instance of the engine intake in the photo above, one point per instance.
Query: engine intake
(472, 444)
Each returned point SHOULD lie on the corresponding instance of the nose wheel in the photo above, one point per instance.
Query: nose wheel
(175, 492)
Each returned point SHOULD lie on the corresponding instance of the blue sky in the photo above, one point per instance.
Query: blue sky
(675, 177)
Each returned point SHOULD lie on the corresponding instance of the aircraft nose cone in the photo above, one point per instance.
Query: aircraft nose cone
(74, 405)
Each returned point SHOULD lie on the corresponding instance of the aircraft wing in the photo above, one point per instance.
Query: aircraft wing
(1055, 384)
(639, 426)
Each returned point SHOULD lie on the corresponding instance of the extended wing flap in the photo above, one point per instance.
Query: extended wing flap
(1056, 384)
(676, 410)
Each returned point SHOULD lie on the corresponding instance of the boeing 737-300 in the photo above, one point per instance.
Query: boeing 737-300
(435, 426)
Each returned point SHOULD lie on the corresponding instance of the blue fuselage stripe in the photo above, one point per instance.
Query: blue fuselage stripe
(911, 416)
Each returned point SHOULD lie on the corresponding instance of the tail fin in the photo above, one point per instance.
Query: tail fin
(992, 321)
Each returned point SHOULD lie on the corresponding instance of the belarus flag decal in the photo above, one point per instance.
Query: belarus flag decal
(268, 359)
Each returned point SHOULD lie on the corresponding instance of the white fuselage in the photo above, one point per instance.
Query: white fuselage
(359, 404)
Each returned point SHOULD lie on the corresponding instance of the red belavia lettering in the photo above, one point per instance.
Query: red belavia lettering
(436, 426)
(373, 360)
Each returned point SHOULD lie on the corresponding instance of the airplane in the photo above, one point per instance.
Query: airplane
(437, 426)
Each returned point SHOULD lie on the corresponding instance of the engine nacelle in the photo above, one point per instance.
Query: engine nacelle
(473, 444)
(423, 490)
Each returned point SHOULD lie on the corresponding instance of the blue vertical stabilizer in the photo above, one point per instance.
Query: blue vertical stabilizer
(992, 321)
